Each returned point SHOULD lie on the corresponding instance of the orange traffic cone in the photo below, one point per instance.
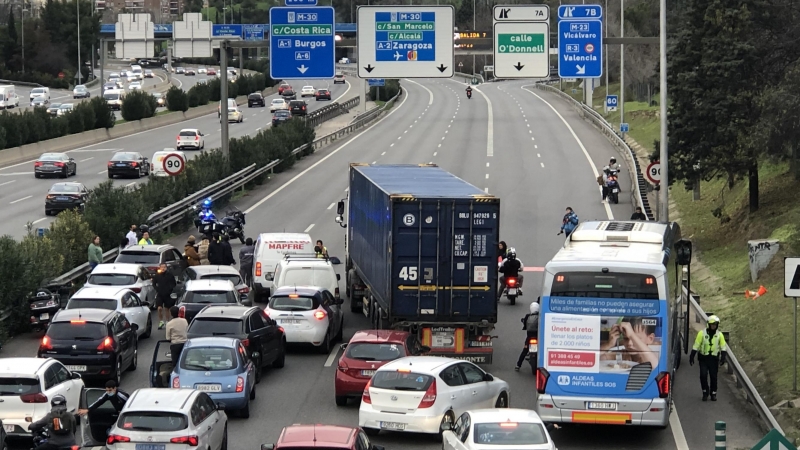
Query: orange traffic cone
(754, 295)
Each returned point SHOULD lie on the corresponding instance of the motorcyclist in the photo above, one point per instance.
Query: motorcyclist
(510, 267)
(612, 166)
(530, 323)
(469, 91)
(60, 425)
(117, 397)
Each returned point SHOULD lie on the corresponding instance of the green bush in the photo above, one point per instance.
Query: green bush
(203, 91)
(386, 92)
(177, 100)
(44, 79)
(103, 115)
(138, 105)
(71, 236)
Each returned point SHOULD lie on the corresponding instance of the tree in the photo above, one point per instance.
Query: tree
(71, 236)
(10, 41)
(60, 20)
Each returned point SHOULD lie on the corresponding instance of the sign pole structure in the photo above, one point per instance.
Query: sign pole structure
(791, 288)
(223, 100)
(664, 212)
(622, 67)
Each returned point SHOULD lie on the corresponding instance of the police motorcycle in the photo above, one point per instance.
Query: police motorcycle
(231, 225)
(613, 186)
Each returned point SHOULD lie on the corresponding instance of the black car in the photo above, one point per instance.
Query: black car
(264, 340)
(323, 94)
(200, 293)
(55, 164)
(67, 195)
(255, 99)
(53, 108)
(289, 94)
(281, 116)
(208, 272)
(128, 164)
(97, 343)
(298, 107)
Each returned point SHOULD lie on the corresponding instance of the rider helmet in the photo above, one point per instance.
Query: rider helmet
(59, 401)
(613, 161)
(512, 253)
(534, 308)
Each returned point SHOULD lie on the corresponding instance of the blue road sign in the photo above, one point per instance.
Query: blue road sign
(611, 102)
(301, 2)
(301, 44)
(580, 48)
(623, 127)
(376, 82)
(230, 30)
(418, 45)
(253, 32)
(579, 12)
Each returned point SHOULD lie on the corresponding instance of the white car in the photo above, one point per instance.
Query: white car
(234, 115)
(132, 77)
(113, 75)
(305, 270)
(420, 394)
(278, 104)
(307, 91)
(164, 419)
(113, 298)
(308, 315)
(135, 86)
(27, 385)
(202, 70)
(190, 138)
(123, 275)
(486, 429)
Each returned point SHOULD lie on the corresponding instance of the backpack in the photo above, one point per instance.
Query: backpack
(532, 323)
(60, 424)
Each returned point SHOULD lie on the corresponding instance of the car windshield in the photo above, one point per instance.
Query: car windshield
(156, 94)
(109, 96)
(278, 102)
(401, 381)
(373, 351)
(98, 303)
(234, 278)
(68, 188)
(255, 96)
(77, 330)
(307, 277)
(124, 157)
(152, 421)
(138, 257)
(283, 113)
(293, 303)
(66, 106)
(209, 297)
(37, 91)
(80, 88)
(323, 91)
(51, 157)
(188, 133)
(55, 105)
(208, 358)
(208, 326)
(19, 386)
(509, 433)
(111, 279)
(308, 87)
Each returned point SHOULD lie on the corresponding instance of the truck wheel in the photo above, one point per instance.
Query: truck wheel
(355, 307)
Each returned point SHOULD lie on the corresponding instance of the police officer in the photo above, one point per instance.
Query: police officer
(710, 343)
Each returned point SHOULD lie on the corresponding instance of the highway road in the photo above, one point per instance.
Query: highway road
(22, 195)
(535, 153)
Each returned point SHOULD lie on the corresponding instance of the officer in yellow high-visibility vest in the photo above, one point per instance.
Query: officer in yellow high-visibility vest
(710, 343)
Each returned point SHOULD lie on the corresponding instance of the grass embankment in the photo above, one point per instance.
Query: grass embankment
(761, 329)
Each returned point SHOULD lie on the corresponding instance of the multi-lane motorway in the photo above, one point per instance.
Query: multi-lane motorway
(527, 147)
(22, 195)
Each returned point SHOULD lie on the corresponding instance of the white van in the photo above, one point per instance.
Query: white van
(157, 162)
(306, 270)
(137, 72)
(114, 98)
(231, 104)
(8, 96)
(43, 92)
(270, 250)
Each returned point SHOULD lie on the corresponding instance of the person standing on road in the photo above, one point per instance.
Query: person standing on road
(176, 334)
(227, 251)
(638, 215)
(246, 260)
(164, 283)
(192, 257)
(202, 250)
(95, 252)
(216, 255)
(710, 343)
(131, 236)
(320, 250)
(145, 240)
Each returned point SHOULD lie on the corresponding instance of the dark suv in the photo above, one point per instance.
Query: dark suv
(97, 343)
(151, 256)
(255, 99)
(298, 107)
(289, 94)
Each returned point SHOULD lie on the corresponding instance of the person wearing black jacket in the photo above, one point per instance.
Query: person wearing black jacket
(113, 394)
(227, 252)
(638, 215)
(164, 283)
(216, 253)
(60, 425)
(530, 323)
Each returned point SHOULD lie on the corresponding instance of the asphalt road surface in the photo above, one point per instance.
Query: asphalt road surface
(535, 153)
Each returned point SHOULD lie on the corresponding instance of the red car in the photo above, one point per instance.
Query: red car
(367, 351)
(211, 72)
(328, 437)
(284, 87)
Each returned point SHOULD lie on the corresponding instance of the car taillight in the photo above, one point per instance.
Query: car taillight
(136, 289)
(37, 164)
(153, 268)
(106, 345)
(258, 269)
(430, 396)
(191, 441)
(511, 281)
(197, 138)
(320, 315)
(33, 398)
(110, 164)
(114, 438)
(239, 384)
(58, 164)
(662, 380)
(134, 164)
(365, 398)
(343, 366)
(46, 344)
(182, 312)
(246, 342)
(304, 108)
(176, 383)
(542, 375)
(244, 290)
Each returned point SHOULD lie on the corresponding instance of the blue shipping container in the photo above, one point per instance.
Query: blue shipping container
(425, 242)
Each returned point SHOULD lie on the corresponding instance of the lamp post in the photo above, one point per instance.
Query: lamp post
(79, 75)
(22, 15)
(474, 26)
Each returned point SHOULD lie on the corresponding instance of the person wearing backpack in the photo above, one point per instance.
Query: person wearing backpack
(60, 425)
(530, 323)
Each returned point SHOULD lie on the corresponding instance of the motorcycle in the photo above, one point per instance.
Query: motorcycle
(533, 353)
(511, 289)
(44, 304)
(613, 187)
(469, 95)
(41, 436)
(232, 225)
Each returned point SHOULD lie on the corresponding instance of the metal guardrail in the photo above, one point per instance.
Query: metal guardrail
(328, 112)
(627, 153)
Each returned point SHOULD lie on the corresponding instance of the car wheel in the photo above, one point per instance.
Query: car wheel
(75, 172)
(339, 336)
(118, 372)
(371, 431)
(502, 401)
(325, 347)
(281, 360)
(448, 418)
(224, 445)
(110, 175)
(65, 173)
(149, 329)
(253, 393)
(46, 212)
(135, 361)
(245, 412)
(341, 400)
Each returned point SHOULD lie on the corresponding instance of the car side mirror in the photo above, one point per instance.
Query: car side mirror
(334, 260)
(340, 208)
(220, 406)
(76, 376)
(173, 296)
(255, 355)
(267, 447)
(446, 426)
(340, 301)
(343, 346)
(488, 377)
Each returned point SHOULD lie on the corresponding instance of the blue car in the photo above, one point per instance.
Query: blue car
(220, 367)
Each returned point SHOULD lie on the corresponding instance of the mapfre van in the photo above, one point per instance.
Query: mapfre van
(270, 250)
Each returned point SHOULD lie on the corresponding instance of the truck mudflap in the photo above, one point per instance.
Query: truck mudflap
(457, 343)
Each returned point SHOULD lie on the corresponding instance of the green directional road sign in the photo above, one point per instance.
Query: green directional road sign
(774, 440)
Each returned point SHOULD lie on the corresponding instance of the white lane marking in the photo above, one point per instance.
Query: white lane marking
(332, 356)
(21, 199)
(383, 153)
(486, 190)
(535, 146)
(580, 143)
(487, 176)
(130, 184)
(332, 205)
(442, 137)
(404, 132)
(373, 162)
(538, 155)
(677, 430)
(439, 146)
(542, 164)
(36, 221)
(430, 94)
(392, 145)
(15, 174)
(299, 175)
(86, 159)
(487, 164)
(8, 182)
(434, 153)
(446, 131)
(411, 126)
(345, 91)
(102, 172)
(258, 129)
(309, 228)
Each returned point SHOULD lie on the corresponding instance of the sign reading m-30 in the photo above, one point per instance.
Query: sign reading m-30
(521, 41)
(405, 41)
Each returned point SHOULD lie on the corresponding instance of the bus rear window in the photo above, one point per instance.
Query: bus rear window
(604, 285)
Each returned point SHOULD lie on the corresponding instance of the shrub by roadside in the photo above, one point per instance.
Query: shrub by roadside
(138, 105)
(386, 92)
(45, 79)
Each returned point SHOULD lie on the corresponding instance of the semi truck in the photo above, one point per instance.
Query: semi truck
(421, 256)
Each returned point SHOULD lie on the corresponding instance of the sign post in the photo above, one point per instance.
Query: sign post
(301, 43)
(580, 41)
(791, 288)
(521, 41)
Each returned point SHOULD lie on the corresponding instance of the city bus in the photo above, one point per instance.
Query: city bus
(608, 335)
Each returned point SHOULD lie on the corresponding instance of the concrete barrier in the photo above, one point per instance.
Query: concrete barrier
(30, 152)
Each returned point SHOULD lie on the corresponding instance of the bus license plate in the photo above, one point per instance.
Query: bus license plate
(602, 405)
(533, 348)
(393, 426)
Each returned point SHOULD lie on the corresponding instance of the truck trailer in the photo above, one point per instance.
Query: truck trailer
(421, 256)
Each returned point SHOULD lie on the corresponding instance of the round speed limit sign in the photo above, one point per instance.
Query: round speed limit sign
(654, 173)
(173, 164)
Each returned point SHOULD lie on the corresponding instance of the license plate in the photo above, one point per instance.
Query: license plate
(393, 426)
(122, 165)
(601, 405)
(9, 428)
(62, 199)
(76, 368)
(209, 387)
(533, 348)
(368, 373)
(512, 291)
(615, 191)
(290, 321)
(150, 446)
(443, 341)
(44, 316)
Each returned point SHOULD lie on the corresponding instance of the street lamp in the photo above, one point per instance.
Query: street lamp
(79, 75)
(22, 15)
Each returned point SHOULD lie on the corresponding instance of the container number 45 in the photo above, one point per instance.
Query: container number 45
(408, 273)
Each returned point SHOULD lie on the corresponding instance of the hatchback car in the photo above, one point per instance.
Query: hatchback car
(367, 351)
(208, 272)
(128, 164)
(202, 70)
(256, 99)
(135, 86)
(298, 107)
(425, 394)
(283, 87)
(180, 70)
(289, 94)
(486, 429)
(234, 115)
(307, 91)
(124, 276)
(328, 437)
(190, 138)
(308, 315)
(163, 419)
(39, 102)
(81, 91)
(63, 196)
(160, 99)
(97, 343)
(200, 293)
(323, 94)
(220, 367)
(148, 73)
(26, 387)
(338, 78)
(53, 109)
(280, 117)
(115, 299)
(55, 164)
(212, 72)
(152, 256)
(191, 72)
(278, 104)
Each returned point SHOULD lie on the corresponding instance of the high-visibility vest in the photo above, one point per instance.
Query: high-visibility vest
(710, 345)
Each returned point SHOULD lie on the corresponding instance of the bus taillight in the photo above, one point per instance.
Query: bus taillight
(542, 375)
(662, 380)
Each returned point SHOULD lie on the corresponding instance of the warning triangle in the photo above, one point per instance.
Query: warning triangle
(795, 284)
(774, 440)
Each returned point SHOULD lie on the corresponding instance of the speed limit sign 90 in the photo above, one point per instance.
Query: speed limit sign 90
(654, 173)
(173, 164)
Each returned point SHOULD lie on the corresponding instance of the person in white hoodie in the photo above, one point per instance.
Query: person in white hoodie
(132, 238)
